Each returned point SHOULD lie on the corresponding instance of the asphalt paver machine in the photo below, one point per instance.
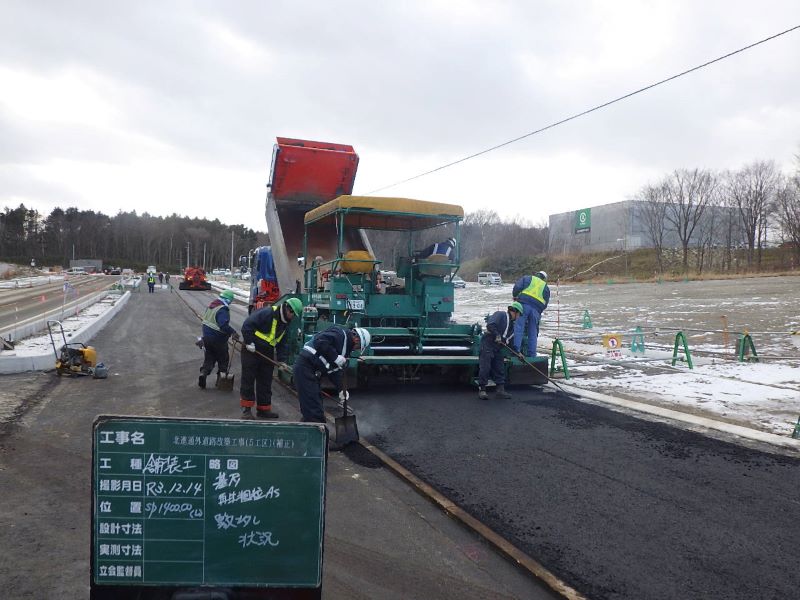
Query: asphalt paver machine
(414, 337)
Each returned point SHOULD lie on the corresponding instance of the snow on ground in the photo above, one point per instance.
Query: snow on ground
(40, 343)
(764, 395)
(26, 282)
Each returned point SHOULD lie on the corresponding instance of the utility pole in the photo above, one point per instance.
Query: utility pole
(187, 254)
(231, 251)
(204, 256)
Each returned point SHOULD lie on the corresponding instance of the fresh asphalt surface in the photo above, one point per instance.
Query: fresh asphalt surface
(616, 506)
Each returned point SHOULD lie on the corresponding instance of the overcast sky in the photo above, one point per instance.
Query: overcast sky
(173, 107)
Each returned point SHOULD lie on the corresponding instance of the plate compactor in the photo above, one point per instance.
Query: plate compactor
(74, 358)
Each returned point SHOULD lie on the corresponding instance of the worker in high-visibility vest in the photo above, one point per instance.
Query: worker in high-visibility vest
(264, 333)
(216, 331)
(533, 293)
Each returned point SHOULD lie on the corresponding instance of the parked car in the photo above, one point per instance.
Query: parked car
(458, 282)
(489, 278)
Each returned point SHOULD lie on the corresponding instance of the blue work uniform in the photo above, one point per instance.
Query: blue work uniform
(266, 329)
(490, 360)
(445, 248)
(216, 331)
(534, 295)
(318, 358)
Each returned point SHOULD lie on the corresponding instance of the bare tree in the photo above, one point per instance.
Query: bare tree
(753, 190)
(788, 213)
(653, 209)
(480, 227)
(688, 195)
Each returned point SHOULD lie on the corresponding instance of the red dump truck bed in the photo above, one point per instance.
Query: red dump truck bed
(307, 172)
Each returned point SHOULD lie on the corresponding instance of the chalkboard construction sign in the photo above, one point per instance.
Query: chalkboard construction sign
(192, 502)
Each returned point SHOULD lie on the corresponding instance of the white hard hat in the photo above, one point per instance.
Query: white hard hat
(363, 336)
(542, 275)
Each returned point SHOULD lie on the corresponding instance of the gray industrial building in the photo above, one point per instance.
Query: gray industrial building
(622, 226)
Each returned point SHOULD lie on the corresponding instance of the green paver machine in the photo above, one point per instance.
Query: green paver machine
(409, 317)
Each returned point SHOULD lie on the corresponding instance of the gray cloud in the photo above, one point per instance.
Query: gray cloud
(410, 79)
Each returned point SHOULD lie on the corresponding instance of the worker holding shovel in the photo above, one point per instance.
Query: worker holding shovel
(325, 354)
(499, 333)
(216, 331)
(263, 333)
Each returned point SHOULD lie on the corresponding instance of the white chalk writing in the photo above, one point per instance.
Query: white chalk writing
(176, 488)
(167, 465)
(173, 508)
(257, 538)
(224, 480)
(251, 495)
(227, 521)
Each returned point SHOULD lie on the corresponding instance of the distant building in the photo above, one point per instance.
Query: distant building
(623, 226)
(89, 265)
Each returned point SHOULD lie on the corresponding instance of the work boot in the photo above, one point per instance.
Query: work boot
(502, 394)
(482, 395)
(266, 414)
(201, 381)
(247, 414)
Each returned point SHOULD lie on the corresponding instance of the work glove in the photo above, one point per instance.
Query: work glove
(344, 395)
(284, 367)
(236, 337)
(199, 343)
(340, 361)
(498, 339)
(251, 347)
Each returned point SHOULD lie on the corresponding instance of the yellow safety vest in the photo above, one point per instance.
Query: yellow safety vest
(535, 289)
(270, 337)
(210, 318)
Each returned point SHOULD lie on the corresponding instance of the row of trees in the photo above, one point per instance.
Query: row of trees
(132, 240)
(127, 239)
(723, 210)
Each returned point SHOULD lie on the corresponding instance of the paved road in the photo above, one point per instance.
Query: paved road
(618, 507)
(382, 539)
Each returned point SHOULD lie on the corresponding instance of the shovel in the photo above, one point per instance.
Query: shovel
(225, 380)
(346, 426)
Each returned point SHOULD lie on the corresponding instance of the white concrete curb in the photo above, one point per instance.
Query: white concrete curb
(46, 360)
(34, 325)
(674, 415)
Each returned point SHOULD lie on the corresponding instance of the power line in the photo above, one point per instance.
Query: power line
(586, 112)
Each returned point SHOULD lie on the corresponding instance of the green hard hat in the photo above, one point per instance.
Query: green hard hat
(515, 306)
(296, 305)
(227, 295)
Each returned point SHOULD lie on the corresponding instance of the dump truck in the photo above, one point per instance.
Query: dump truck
(321, 253)
(194, 278)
